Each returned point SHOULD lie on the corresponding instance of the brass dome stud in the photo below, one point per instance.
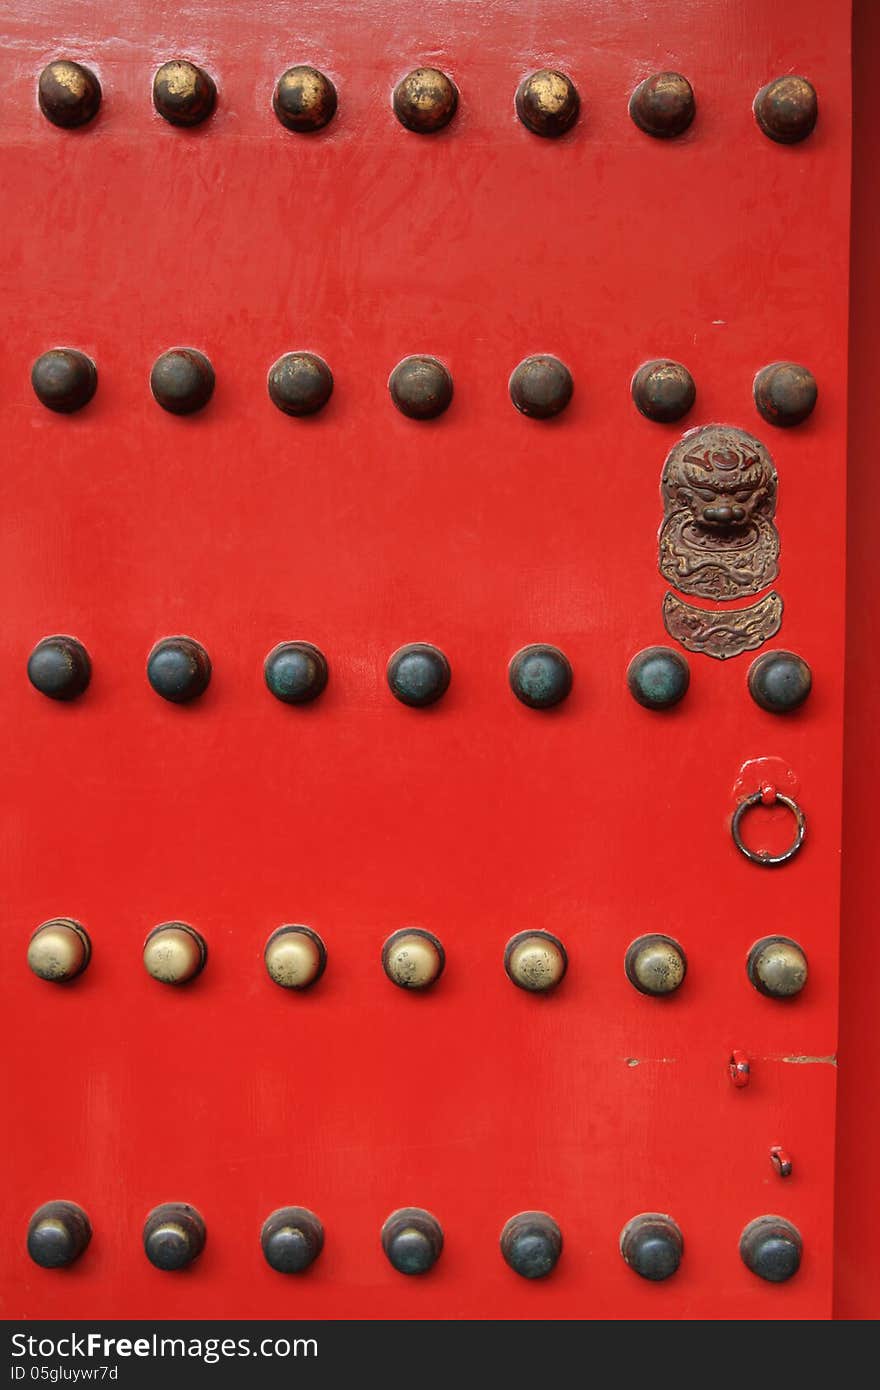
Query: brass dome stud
(174, 953)
(292, 1238)
(304, 99)
(183, 94)
(425, 100)
(421, 387)
(64, 380)
(300, 383)
(413, 959)
(652, 1245)
(174, 1235)
(535, 961)
(182, 381)
(655, 965)
(412, 1240)
(663, 390)
(785, 393)
(658, 677)
(547, 103)
(786, 109)
(663, 105)
(777, 967)
(58, 1233)
(295, 957)
(531, 1244)
(541, 386)
(69, 94)
(59, 950)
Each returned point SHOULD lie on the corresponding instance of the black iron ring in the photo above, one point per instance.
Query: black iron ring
(761, 857)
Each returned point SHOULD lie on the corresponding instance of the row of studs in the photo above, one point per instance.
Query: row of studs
(301, 383)
(412, 1239)
(425, 101)
(418, 674)
(296, 958)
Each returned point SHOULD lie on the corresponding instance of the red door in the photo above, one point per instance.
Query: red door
(561, 229)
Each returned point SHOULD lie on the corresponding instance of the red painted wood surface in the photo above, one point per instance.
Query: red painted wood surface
(360, 530)
(857, 1287)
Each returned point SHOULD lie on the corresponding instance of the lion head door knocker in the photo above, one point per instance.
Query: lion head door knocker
(719, 542)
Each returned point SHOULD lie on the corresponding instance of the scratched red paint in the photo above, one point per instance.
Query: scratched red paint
(360, 530)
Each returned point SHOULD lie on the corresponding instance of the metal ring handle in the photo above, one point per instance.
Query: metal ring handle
(761, 857)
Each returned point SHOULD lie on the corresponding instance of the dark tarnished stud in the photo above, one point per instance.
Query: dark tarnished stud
(412, 958)
(300, 383)
(540, 676)
(655, 964)
(771, 1247)
(69, 94)
(183, 94)
(547, 103)
(658, 677)
(541, 387)
(535, 961)
(421, 387)
(418, 674)
(59, 950)
(425, 100)
(179, 669)
(182, 380)
(64, 379)
(777, 966)
(652, 1245)
(295, 672)
(663, 391)
(175, 953)
(295, 957)
(663, 105)
(59, 667)
(412, 1240)
(174, 1235)
(304, 99)
(292, 1238)
(786, 109)
(779, 681)
(531, 1243)
(58, 1233)
(785, 393)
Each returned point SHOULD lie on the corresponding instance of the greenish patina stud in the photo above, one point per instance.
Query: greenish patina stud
(59, 667)
(412, 1240)
(779, 681)
(531, 1243)
(658, 677)
(295, 672)
(540, 676)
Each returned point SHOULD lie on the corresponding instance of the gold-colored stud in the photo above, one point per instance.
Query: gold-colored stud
(412, 958)
(535, 960)
(304, 100)
(174, 953)
(183, 94)
(425, 100)
(777, 966)
(655, 964)
(547, 103)
(59, 950)
(295, 957)
(69, 94)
